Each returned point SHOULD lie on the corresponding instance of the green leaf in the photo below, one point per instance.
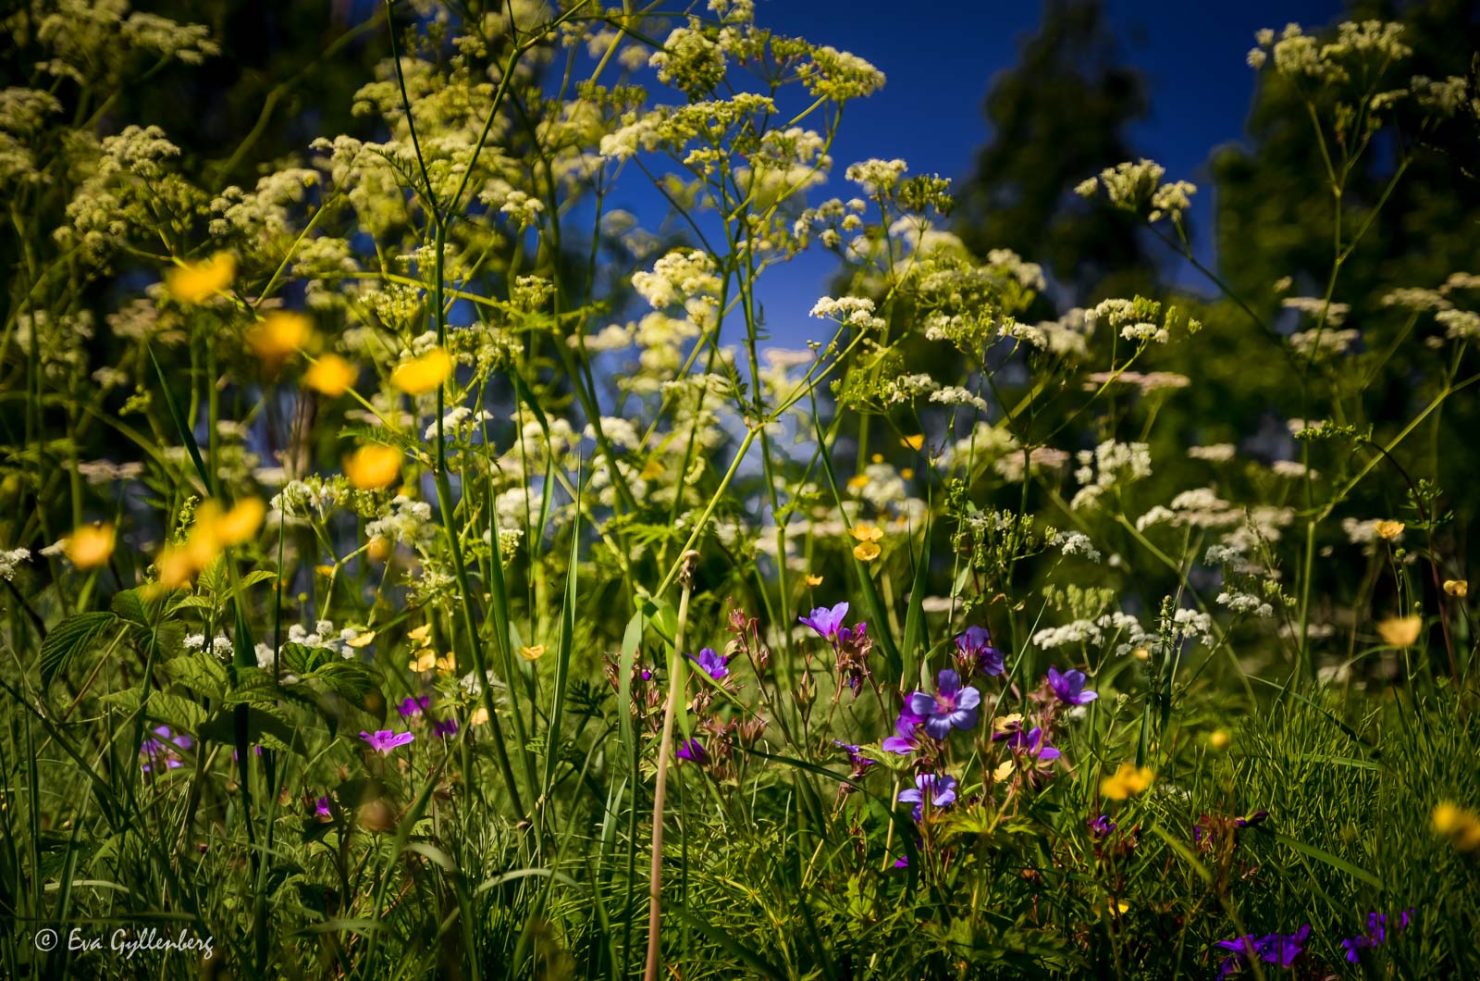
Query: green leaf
(73, 634)
(201, 673)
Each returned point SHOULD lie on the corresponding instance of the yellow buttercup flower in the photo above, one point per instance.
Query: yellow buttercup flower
(1457, 587)
(1219, 739)
(1458, 824)
(652, 469)
(279, 336)
(420, 634)
(379, 548)
(421, 375)
(196, 282)
(479, 717)
(89, 547)
(214, 530)
(235, 527)
(1126, 781)
(373, 466)
(913, 442)
(866, 551)
(533, 652)
(175, 567)
(331, 375)
(867, 533)
(362, 640)
(907, 473)
(1388, 530)
(814, 580)
(858, 481)
(1400, 631)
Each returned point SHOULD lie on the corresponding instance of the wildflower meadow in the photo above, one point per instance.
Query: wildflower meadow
(419, 561)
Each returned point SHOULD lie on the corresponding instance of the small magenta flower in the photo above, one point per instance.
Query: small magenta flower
(902, 862)
(321, 809)
(826, 622)
(447, 728)
(1375, 934)
(951, 707)
(161, 750)
(413, 706)
(712, 664)
(1101, 827)
(941, 790)
(1272, 948)
(907, 733)
(1034, 743)
(385, 741)
(974, 647)
(693, 751)
(859, 762)
(1069, 687)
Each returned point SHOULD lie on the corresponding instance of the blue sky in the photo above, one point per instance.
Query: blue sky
(940, 58)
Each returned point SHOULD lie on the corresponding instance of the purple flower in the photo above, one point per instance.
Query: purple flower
(902, 862)
(974, 646)
(413, 706)
(321, 809)
(1273, 948)
(1101, 827)
(1034, 742)
(1069, 687)
(447, 728)
(941, 789)
(950, 707)
(826, 622)
(712, 664)
(384, 741)
(1375, 935)
(161, 750)
(859, 762)
(907, 733)
(693, 751)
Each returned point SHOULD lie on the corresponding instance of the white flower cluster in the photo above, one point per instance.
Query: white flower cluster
(221, 647)
(10, 561)
(1107, 465)
(1213, 452)
(1300, 55)
(839, 75)
(1245, 603)
(876, 176)
(684, 277)
(405, 521)
(313, 493)
(1073, 543)
(690, 62)
(1137, 187)
(1333, 313)
(850, 311)
(956, 396)
(323, 635)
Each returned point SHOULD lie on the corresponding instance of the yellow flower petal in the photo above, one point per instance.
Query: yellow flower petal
(421, 375)
(196, 282)
(480, 716)
(533, 652)
(1126, 781)
(1219, 739)
(278, 336)
(331, 375)
(420, 634)
(814, 580)
(362, 640)
(240, 524)
(867, 533)
(89, 547)
(913, 442)
(858, 481)
(373, 466)
(866, 551)
(1400, 631)
(1457, 587)
(1388, 530)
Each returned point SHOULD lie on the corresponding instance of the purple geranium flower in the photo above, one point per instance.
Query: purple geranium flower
(1273, 948)
(161, 749)
(321, 809)
(413, 706)
(950, 707)
(447, 728)
(1069, 687)
(907, 733)
(712, 664)
(1034, 742)
(826, 622)
(859, 762)
(1101, 827)
(1375, 934)
(975, 646)
(693, 751)
(384, 741)
(902, 862)
(940, 788)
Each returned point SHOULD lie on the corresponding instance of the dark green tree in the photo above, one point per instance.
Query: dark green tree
(1058, 116)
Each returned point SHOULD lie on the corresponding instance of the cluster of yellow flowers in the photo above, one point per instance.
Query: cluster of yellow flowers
(868, 538)
(214, 531)
(1128, 780)
(1459, 824)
